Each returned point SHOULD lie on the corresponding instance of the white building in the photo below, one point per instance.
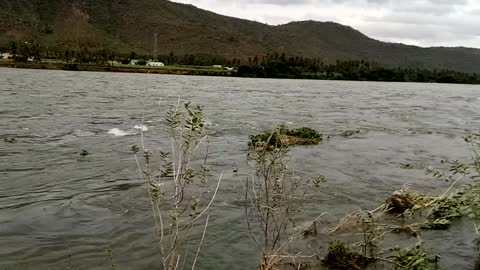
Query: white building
(155, 64)
(5, 55)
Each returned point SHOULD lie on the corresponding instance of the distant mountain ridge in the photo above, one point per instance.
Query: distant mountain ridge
(129, 25)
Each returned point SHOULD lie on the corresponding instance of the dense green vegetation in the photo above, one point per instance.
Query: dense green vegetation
(281, 66)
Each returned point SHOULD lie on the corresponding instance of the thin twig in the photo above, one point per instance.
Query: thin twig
(201, 242)
(211, 201)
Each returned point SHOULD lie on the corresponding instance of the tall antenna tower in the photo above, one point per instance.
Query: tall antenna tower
(155, 47)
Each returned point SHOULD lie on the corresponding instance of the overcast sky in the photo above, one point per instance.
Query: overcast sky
(416, 22)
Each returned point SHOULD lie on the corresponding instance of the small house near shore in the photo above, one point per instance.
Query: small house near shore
(155, 64)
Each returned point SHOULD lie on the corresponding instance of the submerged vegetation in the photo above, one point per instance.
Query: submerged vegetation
(341, 256)
(415, 258)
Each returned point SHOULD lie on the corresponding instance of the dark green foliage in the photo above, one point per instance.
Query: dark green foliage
(415, 258)
(275, 66)
(283, 136)
(340, 256)
(304, 132)
(134, 148)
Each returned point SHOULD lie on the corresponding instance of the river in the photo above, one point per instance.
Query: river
(57, 211)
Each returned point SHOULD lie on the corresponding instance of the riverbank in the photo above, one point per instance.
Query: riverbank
(397, 75)
(176, 70)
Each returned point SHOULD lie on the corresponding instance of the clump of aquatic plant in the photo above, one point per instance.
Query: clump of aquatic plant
(283, 136)
(341, 256)
(304, 133)
(415, 258)
(180, 195)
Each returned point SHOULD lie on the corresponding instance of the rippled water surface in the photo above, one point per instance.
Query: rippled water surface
(58, 212)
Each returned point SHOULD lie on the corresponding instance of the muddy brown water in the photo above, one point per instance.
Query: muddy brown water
(58, 212)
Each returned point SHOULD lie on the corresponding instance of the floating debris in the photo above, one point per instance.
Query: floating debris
(235, 168)
(407, 166)
(350, 133)
(400, 201)
(311, 231)
(9, 140)
(84, 153)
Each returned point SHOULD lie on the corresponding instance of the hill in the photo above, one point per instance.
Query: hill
(129, 25)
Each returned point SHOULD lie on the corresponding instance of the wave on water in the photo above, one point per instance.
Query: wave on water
(144, 128)
(118, 132)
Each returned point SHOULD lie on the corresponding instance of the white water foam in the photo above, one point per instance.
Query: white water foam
(118, 132)
(144, 128)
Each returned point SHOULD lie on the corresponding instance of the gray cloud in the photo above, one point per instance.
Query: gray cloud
(419, 22)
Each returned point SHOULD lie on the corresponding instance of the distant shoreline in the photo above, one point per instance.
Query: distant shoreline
(172, 70)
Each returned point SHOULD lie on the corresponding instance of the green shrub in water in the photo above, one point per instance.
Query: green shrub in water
(415, 258)
(283, 136)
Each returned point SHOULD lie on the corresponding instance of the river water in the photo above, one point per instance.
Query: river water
(57, 211)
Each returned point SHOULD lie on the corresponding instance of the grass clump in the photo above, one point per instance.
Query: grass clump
(415, 258)
(283, 136)
(341, 256)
